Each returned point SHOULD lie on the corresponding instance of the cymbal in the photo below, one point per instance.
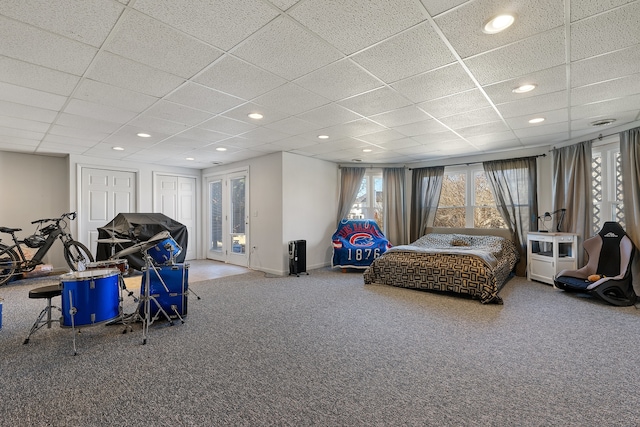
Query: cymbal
(143, 246)
(159, 237)
(113, 240)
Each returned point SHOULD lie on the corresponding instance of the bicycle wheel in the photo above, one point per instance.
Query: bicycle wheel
(8, 263)
(77, 255)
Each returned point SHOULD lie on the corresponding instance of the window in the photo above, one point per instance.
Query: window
(368, 204)
(607, 185)
(467, 206)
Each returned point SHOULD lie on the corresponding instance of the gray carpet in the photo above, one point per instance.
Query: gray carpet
(325, 349)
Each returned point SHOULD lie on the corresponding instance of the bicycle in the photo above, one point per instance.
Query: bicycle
(13, 260)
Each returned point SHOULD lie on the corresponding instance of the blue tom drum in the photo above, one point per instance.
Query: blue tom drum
(165, 251)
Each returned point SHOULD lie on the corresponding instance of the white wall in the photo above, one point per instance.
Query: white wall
(33, 187)
(310, 201)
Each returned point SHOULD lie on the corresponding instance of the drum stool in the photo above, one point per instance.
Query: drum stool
(47, 292)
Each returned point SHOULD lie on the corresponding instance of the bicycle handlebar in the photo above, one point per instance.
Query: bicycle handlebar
(70, 215)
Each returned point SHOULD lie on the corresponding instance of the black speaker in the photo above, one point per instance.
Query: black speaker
(297, 257)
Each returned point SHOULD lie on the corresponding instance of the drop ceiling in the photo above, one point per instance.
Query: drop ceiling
(406, 80)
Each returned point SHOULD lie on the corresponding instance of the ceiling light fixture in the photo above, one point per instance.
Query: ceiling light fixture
(189, 158)
(221, 149)
(603, 122)
(323, 136)
(256, 116)
(524, 88)
(117, 148)
(143, 135)
(367, 150)
(498, 23)
(536, 120)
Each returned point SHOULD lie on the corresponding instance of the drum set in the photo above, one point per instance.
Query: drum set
(95, 296)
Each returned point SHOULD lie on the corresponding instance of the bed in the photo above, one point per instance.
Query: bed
(476, 265)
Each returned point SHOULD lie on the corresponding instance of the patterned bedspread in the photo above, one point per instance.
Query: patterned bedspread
(477, 266)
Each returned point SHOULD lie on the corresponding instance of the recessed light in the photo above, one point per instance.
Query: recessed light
(221, 149)
(143, 135)
(603, 122)
(323, 136)
(117, 148)
(256, 116)
(536, 120)
(524, 88)
(367, 150)
(189, 158)
(498, 23)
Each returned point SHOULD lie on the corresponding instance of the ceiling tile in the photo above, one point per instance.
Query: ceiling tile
(82, 122)
(284, 4)
(436, 138)
(550, 117)
(421, 128)
(584, 8)
(102, 93)
(291, 99)
(22, 73)
(82, 143)
(463, 25)
(536, 53)
(223, 23)
(146, 40)
(88, 135)
(329, 115)
(611, 89)
(11, 109)
(239, 78)
(339, 80)
(470, 118)
(382, 137)
(177, 113)
(436, 7)
(87, 21)
(356, 24)
(227, 125)
(37, 46)
(411, 52)
(202, 135)
(534, 104)
(128, 74)
(605, 67)
(375, 101)
(32, 97)
(550, 80)
(20, 133)
(200, 97)
(435, 84)
(455, 104)
(400, 116)
(609, 107)
(602, 33)
(286, 49)
(481, 129)
(97, 111)
(154, 125)
(540, 130)
(293, 126)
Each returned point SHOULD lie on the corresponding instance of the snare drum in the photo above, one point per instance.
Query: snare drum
(89, 297)
(110, 264)
(165, 250)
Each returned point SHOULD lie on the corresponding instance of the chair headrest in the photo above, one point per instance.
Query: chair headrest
(611, 230)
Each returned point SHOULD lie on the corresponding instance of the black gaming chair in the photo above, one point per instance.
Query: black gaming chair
(610, 253)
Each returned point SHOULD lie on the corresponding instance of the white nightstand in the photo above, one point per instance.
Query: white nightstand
(550, 253)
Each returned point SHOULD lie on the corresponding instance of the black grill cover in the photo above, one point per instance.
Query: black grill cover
(139, 227)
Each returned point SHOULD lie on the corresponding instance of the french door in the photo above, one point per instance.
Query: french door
(228, 224)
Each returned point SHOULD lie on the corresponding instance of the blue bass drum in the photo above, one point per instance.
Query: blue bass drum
(90, 297)
(173, 298)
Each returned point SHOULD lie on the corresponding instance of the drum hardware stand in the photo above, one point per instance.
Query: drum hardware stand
(72, 312)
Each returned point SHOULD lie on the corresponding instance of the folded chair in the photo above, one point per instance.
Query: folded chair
(608, 271)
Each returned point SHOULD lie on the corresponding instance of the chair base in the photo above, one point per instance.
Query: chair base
(43, 292)
(614, 293)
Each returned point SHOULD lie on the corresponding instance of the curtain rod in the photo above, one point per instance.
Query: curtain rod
(475, 163)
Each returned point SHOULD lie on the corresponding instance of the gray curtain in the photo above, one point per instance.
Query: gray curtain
(395, 228)
(350, 180)
(426, 185)
(514, 185)
(573, 191)
(630, 163)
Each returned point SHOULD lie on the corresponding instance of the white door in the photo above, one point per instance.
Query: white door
(175, 196)
(228, 213)
(103, 195)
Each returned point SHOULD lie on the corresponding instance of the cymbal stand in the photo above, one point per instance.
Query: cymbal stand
(148, 320)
